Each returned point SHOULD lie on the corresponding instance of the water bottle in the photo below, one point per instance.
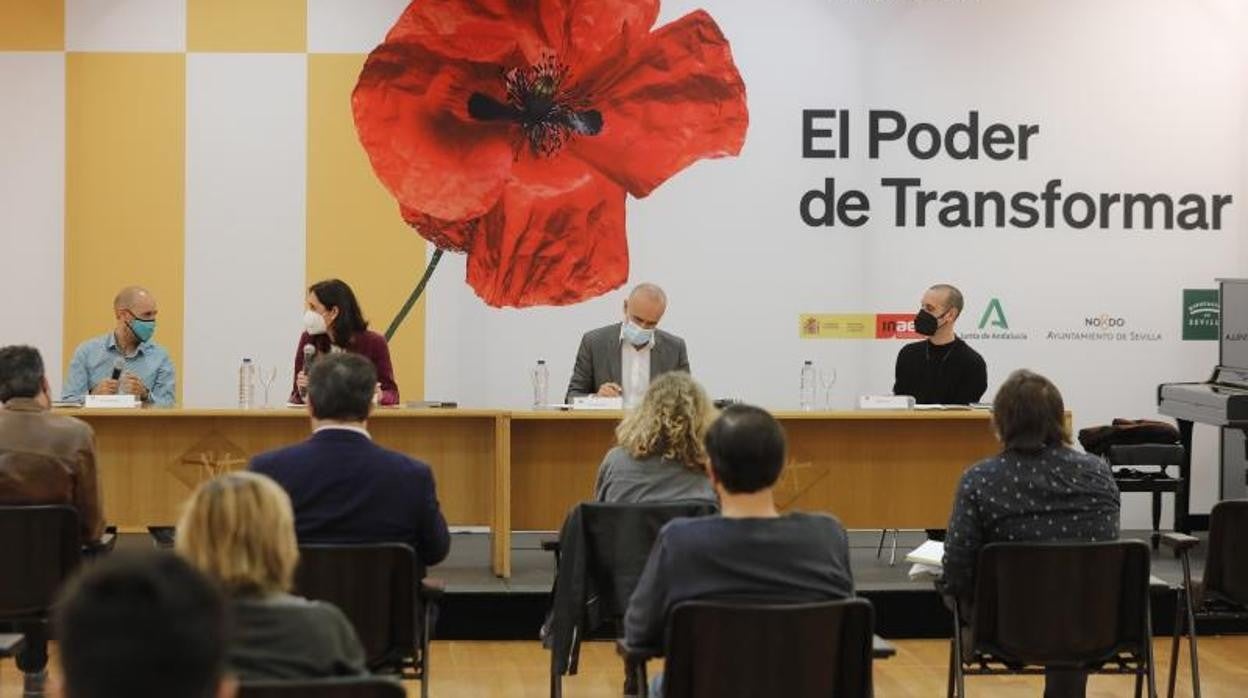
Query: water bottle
(246, 385)
(541, 383)
(808, 386)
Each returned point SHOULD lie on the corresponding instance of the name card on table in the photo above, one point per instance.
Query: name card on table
(595, 402)
(111, 402)
(885, 402)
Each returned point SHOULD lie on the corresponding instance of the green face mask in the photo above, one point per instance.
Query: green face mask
(143, 329)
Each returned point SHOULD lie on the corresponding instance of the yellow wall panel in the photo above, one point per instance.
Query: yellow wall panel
(32, 25)
(354, 229)
(125, 132)
(247, 26)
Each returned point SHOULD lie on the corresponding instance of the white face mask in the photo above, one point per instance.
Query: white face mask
(313, 323)
(637, 335)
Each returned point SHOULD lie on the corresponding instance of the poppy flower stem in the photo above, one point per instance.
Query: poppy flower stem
(411, 300)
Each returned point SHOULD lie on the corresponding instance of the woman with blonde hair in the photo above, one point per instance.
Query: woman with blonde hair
(660, 456)
(239, 530)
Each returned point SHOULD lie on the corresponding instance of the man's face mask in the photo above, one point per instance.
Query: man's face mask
(142, 329)
(637, 336)
(926, 324)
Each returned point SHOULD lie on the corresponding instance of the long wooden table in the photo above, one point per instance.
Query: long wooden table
(524, 470)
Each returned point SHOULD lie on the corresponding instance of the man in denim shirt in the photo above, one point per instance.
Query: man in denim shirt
(1037, 489)
(146, 370)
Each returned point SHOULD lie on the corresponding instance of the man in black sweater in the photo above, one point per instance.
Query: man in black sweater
(750, 552)
(941, 369)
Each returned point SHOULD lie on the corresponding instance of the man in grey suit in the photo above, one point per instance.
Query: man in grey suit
(621, 359)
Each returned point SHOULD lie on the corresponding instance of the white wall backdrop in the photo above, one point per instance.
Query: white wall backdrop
(1130, 97)
(32, 211)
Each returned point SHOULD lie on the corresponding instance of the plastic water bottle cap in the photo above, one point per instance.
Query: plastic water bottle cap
(809, 363)
(541, 362)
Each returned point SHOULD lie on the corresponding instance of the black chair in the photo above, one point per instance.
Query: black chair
(1222, 593)
(344, 687)
(1145, 468)
(1081, 606)
(41, 548)
(723, 649)
(614, 542)
(379, 587)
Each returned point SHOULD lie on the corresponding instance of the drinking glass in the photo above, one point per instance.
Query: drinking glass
(827, 378)
(266, 376)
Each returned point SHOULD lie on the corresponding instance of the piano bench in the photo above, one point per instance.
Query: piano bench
(1126, 461)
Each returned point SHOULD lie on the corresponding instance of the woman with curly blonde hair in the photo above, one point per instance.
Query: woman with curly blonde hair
(239, 530)
(660, 456)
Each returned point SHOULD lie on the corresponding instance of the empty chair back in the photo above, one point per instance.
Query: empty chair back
(815, 650)
(40, 546)
(374, 585)
(1226, 567)
(354, 687)
(618, 539)
(1061, 604)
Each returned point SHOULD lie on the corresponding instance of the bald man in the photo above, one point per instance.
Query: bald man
(942, 369)
(145, 368)
(620, 360)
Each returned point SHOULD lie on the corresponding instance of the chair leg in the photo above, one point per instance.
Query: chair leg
(892, 554)
(1156, 537)
(630, 678)
(952, 658)
(425, 635)
(1139, 684)
(643, 681)
(879, 549)
(1174, 642)
(1191, 630)
(556, 685)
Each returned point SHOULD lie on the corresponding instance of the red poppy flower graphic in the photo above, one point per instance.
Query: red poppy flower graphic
(511, 130)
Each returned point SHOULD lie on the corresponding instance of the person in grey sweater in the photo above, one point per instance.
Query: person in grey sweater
(239, 530)
(660, 456)
(750, 552)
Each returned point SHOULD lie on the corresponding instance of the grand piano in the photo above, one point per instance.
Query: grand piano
(1221, 401)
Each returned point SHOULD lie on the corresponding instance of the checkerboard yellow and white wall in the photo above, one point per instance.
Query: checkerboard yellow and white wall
(205, 149)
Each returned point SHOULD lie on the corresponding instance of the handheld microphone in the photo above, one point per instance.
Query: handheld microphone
(309, 353)
(118, 365)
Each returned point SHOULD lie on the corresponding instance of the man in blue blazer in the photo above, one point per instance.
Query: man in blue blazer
(344, 487)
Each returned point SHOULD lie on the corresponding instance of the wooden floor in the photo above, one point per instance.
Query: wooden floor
(519, 669)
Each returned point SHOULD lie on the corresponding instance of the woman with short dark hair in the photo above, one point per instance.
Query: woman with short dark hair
(333, 323)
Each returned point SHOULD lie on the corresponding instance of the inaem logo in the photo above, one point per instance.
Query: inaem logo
(1202, 315)
(994, 316)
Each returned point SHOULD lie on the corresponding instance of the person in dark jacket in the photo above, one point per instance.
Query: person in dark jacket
(749, 552)
(1037, 489)
(345, 488)
(239, 530)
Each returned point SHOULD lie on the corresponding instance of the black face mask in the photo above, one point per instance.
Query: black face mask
(926, 324)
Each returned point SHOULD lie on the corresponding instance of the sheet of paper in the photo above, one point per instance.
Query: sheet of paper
(931, 553)
(594, 402)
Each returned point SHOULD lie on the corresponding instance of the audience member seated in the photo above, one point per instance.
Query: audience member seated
(660, 456)
(1037, 489)
(44, 458)
(345, 488)
(142, 626)
(239, 530)
(748, 552)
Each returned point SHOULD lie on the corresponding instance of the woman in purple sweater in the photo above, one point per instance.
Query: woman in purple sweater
(333, 323)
